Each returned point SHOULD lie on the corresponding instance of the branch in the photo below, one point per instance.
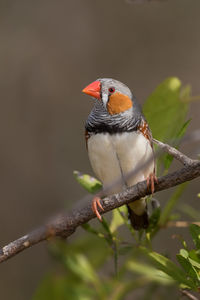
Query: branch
(65, 225)
(175, 153)
(180, 224)
(188, 295)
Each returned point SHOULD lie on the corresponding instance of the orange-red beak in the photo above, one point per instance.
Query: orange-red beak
(93, 89)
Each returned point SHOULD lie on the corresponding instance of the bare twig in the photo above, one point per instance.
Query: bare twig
(66, 224)
(180, 224)
(189, 295)
(175, 153)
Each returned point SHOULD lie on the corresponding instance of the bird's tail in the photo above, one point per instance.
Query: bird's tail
(138, 215)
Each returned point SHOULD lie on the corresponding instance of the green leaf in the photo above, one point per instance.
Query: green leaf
(91, 184)
(54, 287)
(184, 253)
(187, 255)
(188, 267)
(190, 211)
(194, 263)
(117, 219)
(164, 109)
(166, 113)
(81, 266)
(195, 232)
(183, 129)
(169, 158)
(149, 272)
(193, 254)
(167, 266)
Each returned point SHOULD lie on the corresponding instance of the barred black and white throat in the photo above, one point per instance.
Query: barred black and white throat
(119, 141)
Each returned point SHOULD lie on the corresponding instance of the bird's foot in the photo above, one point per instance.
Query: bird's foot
(95, 204)
(151, 179)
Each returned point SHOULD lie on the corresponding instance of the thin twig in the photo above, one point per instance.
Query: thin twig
(184, 159)
(180, 224)
(189, 295)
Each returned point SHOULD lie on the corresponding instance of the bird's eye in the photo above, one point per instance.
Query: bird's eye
(111, 90)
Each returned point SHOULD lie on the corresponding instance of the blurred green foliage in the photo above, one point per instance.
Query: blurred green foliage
(166, 109)
(91, 184)
(110, 262)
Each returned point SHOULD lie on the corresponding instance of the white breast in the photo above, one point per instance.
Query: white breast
(114, 156)
(104, 161)
(134, 150)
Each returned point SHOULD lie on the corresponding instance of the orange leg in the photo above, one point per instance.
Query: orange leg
(95, 204)
(151, 179)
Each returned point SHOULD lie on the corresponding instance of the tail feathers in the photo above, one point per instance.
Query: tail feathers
(138, 222)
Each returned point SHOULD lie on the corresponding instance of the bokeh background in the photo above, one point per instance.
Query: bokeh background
(49, 51)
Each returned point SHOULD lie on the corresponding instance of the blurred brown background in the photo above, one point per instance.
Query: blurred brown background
(49, 51)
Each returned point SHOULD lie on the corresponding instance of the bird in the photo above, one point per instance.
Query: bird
(119, 141)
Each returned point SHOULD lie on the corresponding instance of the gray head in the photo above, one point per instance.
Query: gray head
(114, 106)
(111, 88)
(115, 96)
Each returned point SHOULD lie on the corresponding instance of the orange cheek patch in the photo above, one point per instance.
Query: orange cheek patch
(118, 103)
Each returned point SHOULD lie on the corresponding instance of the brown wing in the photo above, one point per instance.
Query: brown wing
(144, 129)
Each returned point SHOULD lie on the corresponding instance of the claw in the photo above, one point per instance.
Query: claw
(95, 204)
(151, 179)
